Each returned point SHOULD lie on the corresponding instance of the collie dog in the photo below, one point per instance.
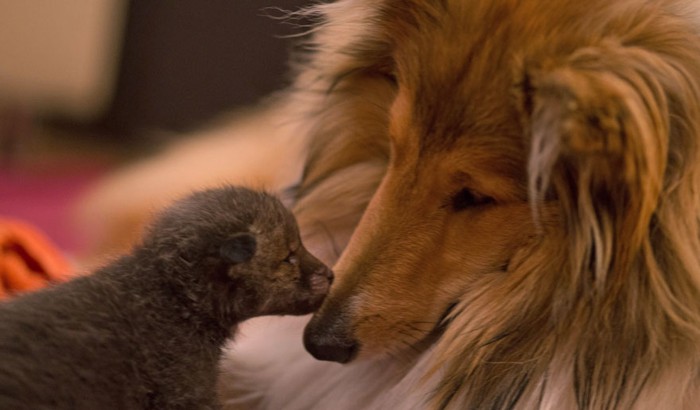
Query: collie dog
(511, 191)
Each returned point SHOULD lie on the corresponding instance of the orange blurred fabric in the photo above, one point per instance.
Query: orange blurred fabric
(28, 259)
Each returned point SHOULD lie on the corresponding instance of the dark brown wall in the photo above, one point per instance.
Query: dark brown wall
(185, 61)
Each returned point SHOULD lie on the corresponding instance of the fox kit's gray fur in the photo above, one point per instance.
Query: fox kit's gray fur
(145, 332)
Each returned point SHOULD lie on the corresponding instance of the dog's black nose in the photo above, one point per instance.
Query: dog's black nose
(328, 348)
(327, 337)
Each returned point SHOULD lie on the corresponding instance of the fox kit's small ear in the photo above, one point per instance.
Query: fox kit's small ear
(238, 248)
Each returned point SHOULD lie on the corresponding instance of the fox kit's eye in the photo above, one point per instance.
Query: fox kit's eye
(292, 258)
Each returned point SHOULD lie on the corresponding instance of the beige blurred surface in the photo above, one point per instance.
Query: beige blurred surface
(60, 56)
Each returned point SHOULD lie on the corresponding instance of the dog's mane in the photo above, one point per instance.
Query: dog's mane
(603, 309)
(342, 93)
(628, 301)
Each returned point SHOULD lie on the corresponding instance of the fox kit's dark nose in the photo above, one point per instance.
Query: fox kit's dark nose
(319, 276)
(324, 272)
(320, 279)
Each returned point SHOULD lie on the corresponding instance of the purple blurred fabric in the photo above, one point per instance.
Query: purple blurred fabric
(45, 197)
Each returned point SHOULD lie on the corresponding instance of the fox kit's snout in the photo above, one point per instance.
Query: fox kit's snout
(317, 275)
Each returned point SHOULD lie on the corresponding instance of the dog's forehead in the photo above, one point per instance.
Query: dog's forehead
(459, 89)
(465, 87)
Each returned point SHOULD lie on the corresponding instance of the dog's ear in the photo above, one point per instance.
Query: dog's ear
(599, 123)
(238, 248)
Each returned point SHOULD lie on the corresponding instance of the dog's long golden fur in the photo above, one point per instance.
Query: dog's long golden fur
(568, 133)
(518, 187)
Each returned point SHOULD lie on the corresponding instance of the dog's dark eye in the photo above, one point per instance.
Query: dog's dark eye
(466, 198)
(391, 76)
(387, 70)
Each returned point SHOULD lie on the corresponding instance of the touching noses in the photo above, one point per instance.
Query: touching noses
(327, 336)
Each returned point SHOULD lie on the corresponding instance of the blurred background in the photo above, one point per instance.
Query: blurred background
(89, 85)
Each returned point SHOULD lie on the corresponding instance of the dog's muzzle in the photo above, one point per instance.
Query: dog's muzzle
(327, 338)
